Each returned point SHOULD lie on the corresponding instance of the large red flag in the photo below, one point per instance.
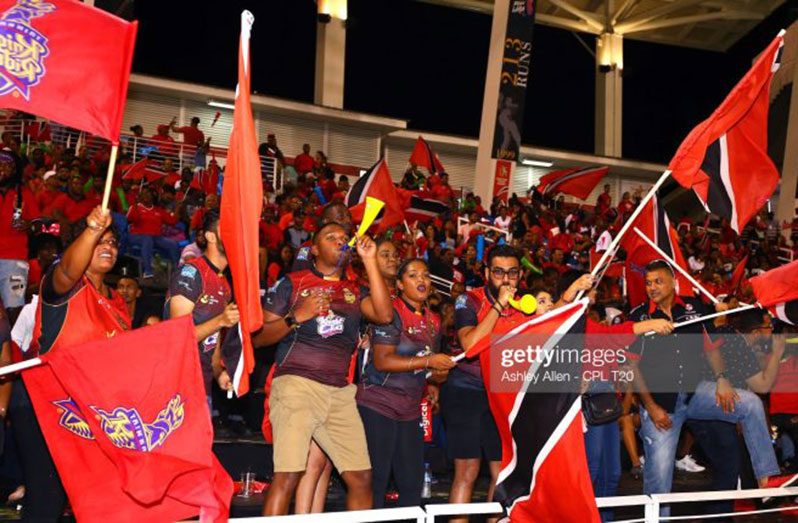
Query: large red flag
(242, 203)
(653, 222)
(737, 275)
(544, 475)
(128, 426)
(424, 156)
(578, 182)
(776, 285)
(725, 159)
(377, 183)
(67, 62)
(144, 168)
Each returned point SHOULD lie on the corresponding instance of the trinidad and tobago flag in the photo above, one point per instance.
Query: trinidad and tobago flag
(144, 169)
(653, 222)
(419, 206)
(377, 183)
(777, 290)
(544, 475)
(725, 159)
(424, 156)
(578, 182)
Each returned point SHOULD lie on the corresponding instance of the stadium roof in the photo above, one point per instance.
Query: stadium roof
(713, 25)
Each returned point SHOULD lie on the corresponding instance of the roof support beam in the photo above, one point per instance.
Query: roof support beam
(624, 8)
(681, 20)
(566, 23)
(590, 18)
(653, 14)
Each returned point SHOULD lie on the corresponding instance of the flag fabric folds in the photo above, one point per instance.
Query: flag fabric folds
(377, 183)
(653, 222)
(67, 62)
(424, 156)
(544, 475)
(240, 211)
(419, 205)
(725, 159)
(578, 182)
(777, 290)
(143, 169)
(132, 417)
(737, 275)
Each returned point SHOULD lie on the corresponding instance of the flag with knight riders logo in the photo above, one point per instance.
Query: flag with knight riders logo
(127, 423)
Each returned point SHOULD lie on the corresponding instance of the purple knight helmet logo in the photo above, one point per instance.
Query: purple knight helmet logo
(22, 48)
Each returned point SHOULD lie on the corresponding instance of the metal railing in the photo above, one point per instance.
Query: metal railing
(651, 508)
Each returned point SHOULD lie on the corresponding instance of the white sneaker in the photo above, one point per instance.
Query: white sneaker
(688, 464)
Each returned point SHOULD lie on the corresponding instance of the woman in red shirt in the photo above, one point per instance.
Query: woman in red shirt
(146, 219)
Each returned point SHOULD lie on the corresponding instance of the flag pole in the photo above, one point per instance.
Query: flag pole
(22, 365)
(710, 316)
(615, 241)
(677, 267)
(109, 177)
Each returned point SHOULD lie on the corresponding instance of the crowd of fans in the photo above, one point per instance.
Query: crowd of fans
(362, 415)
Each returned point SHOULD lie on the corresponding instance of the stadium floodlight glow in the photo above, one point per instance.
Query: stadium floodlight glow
(536, 163)
(221, 105)
(333, 8)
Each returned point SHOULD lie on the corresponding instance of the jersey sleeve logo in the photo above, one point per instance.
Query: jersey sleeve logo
(461, 302)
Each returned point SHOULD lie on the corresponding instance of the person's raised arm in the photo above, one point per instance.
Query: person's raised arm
(377, 307)
(762, 381)
(78, 255)
(469, 335)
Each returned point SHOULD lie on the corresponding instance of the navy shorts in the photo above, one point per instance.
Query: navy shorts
(471, 432)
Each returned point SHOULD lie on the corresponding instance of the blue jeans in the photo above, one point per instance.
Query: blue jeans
(603, 446)
(13, 282)
(660, 445)
(148, 244)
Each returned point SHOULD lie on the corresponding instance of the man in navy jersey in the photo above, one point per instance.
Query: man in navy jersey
(470, 428)
(201, 288)
(314, 316)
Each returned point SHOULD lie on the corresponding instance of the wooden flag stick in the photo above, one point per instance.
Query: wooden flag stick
(109, 177)
(22, 365)
(677, 267)
(605, 258)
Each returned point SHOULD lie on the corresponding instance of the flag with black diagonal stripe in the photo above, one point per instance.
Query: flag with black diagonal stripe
(777, 290)
(725, 159)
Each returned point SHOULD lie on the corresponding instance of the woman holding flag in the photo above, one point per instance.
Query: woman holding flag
(76, 306)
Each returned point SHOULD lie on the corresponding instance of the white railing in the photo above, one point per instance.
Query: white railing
(507, 236)
(443, 285)
(651, 508)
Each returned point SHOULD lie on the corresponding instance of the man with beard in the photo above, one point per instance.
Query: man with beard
(470, 428)
(17, 208)
(201, 288)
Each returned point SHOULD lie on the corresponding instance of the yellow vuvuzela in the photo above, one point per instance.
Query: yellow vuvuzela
(373, 208)
(527, 304)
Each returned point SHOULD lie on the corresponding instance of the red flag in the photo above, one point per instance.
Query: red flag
(145, 169)
(128, 426)
(737, 275)
(776, 286)
(67, 62)
(241, 206)
(578, 182)
(424, 156)
(654, 223)
(543, 475)
(377, 183)
(725, 159)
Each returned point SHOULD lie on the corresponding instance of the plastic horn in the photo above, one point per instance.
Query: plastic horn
(373, 208)
(527, 304)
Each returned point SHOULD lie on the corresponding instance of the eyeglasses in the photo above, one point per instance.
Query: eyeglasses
(498, 272)
(111, 242)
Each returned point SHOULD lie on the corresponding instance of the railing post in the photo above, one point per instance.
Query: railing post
(651, 513)
(180, 162)
(135, 147)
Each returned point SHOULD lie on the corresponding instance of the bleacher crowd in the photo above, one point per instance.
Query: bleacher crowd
(402, 303)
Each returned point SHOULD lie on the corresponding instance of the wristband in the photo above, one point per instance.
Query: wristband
(290, 320)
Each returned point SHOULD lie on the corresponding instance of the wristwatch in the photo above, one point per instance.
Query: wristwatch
(291, 321)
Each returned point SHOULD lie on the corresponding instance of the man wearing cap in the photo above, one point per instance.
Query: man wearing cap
(17, 208)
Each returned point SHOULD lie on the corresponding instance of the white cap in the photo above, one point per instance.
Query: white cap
(48, 174)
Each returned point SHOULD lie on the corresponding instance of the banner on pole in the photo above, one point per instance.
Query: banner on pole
(501, 181)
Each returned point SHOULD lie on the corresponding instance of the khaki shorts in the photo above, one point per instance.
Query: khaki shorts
(301, 409)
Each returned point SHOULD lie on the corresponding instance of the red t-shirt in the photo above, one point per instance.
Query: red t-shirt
(303, 163)
(34, 272)
(191, 135)
(14, 243)
(604, 203)
(271, 235)
(46, 197)
(72, 209)
(149, 220)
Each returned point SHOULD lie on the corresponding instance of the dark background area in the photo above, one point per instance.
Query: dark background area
(426, 64)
